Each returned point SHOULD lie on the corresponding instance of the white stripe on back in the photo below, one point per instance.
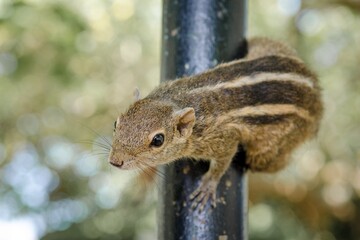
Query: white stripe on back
(258, 78)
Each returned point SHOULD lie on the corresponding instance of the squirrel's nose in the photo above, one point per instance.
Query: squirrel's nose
(115, 160)
(119, 165)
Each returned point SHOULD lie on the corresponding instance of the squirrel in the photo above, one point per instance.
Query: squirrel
(269, 103)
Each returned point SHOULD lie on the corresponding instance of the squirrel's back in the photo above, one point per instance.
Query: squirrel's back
(270, 78)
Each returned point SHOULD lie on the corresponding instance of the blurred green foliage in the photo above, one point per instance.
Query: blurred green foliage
(67, 68)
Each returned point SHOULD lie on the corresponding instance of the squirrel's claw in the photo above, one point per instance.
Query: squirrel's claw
(205, 192)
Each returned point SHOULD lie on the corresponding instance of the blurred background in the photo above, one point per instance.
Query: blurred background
(67, 68)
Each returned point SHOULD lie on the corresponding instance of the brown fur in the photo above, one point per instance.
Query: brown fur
(203, 118)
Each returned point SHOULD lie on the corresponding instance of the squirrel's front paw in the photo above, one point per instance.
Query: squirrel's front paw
(205, 192)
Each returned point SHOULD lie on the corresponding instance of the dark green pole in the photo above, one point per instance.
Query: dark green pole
(197, 35)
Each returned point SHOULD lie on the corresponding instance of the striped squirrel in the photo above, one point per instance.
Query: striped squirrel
(269, 103)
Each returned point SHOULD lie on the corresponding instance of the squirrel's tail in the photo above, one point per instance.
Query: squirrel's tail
(261, 47)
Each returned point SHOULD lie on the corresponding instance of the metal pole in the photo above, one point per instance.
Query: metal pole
(197, 35)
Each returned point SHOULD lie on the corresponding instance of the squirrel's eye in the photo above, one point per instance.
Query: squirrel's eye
(157, 140)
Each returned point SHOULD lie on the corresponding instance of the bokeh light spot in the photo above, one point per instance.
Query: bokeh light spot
(84, 106)
(52, 117)
(310, 163)
(336, 194)
(131, 50)
(85, 42)
(19, 229)
(9, 205)
(123, 9)
(60, 214)
(289, 7)
(8, 64)
(309, 22)
(87, 165)
(261, 218)
(327, 54)
(59, 152)
(28, 124)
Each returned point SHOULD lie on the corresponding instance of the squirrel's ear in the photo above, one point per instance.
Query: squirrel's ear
(136, 94)
(185, 120)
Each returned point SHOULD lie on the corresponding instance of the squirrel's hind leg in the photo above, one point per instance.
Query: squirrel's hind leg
(269, 150)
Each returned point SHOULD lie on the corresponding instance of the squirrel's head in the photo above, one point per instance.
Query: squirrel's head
(150, 133)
